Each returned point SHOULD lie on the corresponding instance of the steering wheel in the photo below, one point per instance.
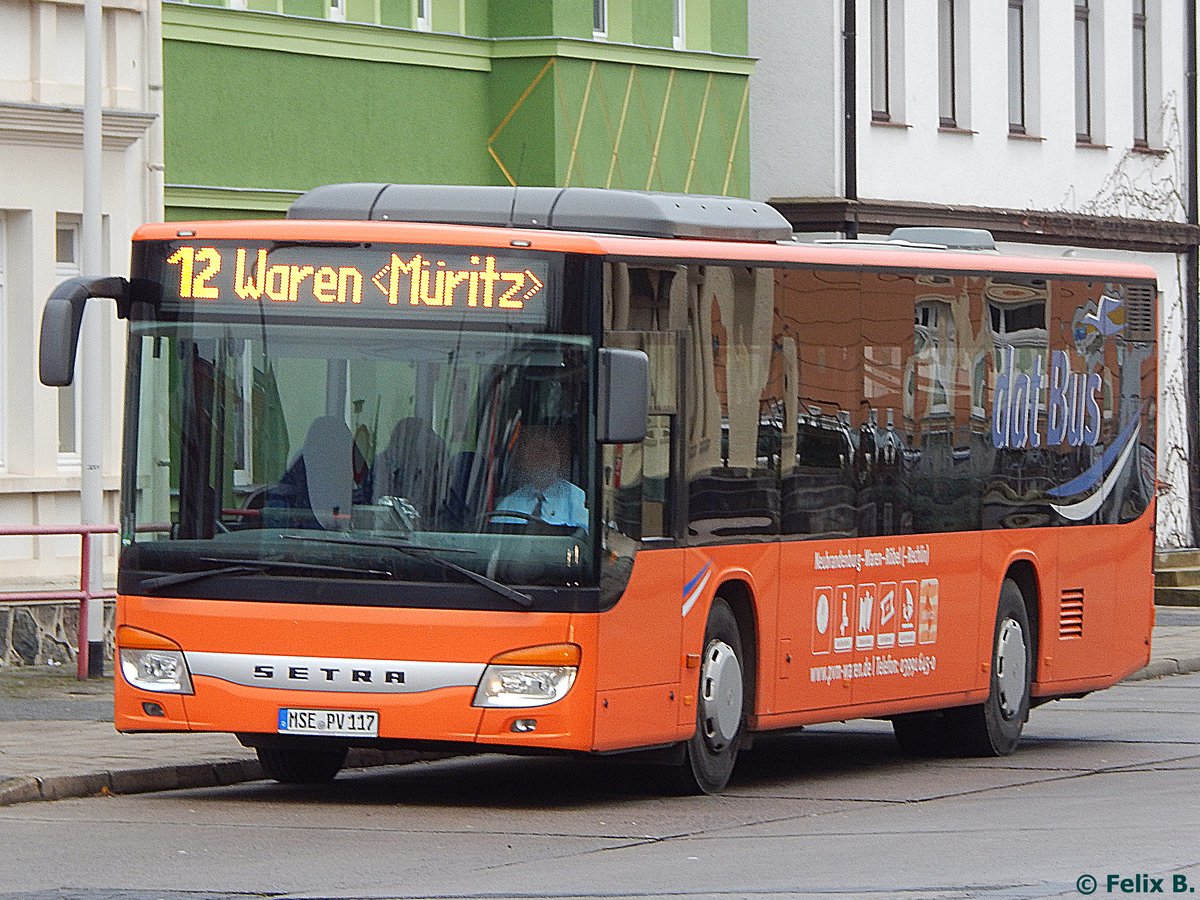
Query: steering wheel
(492, 517)
(528, 524)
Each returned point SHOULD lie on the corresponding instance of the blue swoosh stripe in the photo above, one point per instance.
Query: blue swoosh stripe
(687, 588)
(1095, 473)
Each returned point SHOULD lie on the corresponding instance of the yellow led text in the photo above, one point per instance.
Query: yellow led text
(194, 285)
(432, 283)
(281, 282)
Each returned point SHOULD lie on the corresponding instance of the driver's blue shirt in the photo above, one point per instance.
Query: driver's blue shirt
(562, 503)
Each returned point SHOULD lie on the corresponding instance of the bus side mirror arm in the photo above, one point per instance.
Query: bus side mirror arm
(62, 318)
(623, 401)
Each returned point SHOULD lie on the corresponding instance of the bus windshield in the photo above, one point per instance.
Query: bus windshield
(348, 452)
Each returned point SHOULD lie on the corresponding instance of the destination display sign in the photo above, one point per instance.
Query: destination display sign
(377, 280)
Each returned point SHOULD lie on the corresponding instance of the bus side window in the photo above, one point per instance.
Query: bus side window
(637, 483)
(736, 424)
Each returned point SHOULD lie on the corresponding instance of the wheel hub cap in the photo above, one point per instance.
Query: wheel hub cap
(721, 695)
(1010, 667)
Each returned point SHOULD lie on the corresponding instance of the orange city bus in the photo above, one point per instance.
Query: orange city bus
(600, 471)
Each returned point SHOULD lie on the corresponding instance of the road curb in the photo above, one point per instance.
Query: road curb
(1167, 665)
(170, 778)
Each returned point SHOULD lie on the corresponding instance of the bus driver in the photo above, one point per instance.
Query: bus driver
(544, 493)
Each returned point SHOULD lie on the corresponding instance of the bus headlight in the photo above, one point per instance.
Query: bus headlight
(533, 676)
(152, 662)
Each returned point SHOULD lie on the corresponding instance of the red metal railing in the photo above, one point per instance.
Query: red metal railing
(84, 595)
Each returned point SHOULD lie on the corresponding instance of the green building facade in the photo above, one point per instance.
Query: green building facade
(266, 101)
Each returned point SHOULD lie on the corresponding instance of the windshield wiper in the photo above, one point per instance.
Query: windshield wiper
(426, 554)
(250, 567)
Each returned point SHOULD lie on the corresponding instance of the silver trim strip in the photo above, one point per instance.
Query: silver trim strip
(319, 673)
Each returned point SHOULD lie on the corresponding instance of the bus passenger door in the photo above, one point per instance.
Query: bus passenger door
(642, 567)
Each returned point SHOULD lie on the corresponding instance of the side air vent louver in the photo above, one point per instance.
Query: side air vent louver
(1139, 312)
(1070, 614)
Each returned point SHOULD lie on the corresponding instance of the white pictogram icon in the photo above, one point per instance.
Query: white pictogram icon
(822, 633)
(843, 639)
(908, 613)
(885, 634)
(865, 638)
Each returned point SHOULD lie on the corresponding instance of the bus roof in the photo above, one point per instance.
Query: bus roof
(874, 254)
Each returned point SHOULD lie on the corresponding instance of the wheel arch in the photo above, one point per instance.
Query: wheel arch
(740, 597)
(1025, 575)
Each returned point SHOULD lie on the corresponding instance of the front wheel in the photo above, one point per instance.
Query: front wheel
(296, 765)
(721, 704)
(993, 728)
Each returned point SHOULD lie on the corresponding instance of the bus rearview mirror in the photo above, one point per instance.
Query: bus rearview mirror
(624, 396)
(61, 321)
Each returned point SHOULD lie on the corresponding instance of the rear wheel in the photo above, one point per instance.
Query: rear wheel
(301, 765)
(721, 705)
(993, 728)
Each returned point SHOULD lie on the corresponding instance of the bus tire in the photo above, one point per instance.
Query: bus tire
(721, 704)
(993, 728)
(302, 765)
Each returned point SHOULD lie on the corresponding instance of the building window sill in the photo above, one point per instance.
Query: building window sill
(1021, 136)
(888, 123)
(1160, 152)
(1090, 145)
(955, 129)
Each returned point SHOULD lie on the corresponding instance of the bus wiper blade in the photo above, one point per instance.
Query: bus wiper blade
(387, 543)
(162, 581)
(314, 567)
(248, 567)
(426, 554)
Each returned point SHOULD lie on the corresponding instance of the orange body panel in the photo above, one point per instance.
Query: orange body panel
(636, 686)
(310, 630)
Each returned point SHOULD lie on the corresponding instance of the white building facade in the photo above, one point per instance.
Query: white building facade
(41, 191)
(1062, 126)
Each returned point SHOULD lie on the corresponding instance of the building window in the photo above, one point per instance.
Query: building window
(679, 35)
(1141, 116)
(66, 265)
(947, 65)
(1016, 67)
(881, 105)
(423, 21)
(1083, 72)
(3, 343)
(337, 10)
(600, 19)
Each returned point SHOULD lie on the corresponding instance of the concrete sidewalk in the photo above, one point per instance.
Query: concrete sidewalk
(57, 738)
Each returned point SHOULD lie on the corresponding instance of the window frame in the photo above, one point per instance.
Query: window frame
(881, 58)
(679, 25)
(423, 15)
(1084, 94)
(3, 342)
(69, 458)
(948, 64)
(1141, 74)
(1018, 69)
(600, 20)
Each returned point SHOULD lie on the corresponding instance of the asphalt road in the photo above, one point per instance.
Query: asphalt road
(1103, 786)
